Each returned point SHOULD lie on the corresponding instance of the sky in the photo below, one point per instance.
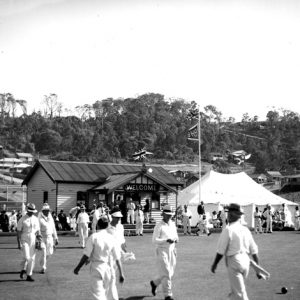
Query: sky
(240, 56)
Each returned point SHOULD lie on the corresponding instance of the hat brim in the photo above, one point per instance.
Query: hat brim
(31, 210)
(237, 212)
(168, 213)
(117, 215)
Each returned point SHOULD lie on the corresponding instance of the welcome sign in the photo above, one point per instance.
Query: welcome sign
(141, 187)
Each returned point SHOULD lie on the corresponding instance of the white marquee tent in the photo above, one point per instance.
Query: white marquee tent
(217, 190)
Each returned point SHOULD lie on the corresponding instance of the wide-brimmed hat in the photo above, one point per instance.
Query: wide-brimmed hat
(115, 212)
(167, 209)
(234, 208)
(46, 207)
(31, 207)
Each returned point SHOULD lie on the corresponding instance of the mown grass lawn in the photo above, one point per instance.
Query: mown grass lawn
(279, 254)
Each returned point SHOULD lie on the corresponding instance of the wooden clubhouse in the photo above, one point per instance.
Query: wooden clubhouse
(63, 184)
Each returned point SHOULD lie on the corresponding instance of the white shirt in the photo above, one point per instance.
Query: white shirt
(130, 206)
(47, 226)
(28, 224)
(83, 217)
(117, 232)
(236, 238)
(73, 211)
(96, 215)
(257, 214)
(162, 232)
(100, 246)
(268, 214)
(13, 219)
(186, 214)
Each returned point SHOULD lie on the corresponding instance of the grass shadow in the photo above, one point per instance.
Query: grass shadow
(11, 280)
(15, 272)
(134, 298)
(9, 248)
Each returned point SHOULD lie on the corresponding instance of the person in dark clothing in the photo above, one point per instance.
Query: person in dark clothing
(19, 215)
(4, 221)
(123, 209)
(201, 210)
(62, 217)
(147, 211)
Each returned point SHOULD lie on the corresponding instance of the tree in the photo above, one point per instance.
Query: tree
(48, 142)
(52, 106)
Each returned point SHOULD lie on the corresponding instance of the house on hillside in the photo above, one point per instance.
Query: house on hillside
(25, 157)
(64, 184)
(7, 163)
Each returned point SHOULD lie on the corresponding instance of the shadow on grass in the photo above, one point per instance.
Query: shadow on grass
(134, 298)
(72, 247)
(15, 272)
(8, 248)
(11, 280)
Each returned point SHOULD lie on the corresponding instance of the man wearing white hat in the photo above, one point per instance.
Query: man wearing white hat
(116, 229)
(28, 230)
(236, 243)
(165, 237)
(49, 235)
(101, 248)
(83, 220)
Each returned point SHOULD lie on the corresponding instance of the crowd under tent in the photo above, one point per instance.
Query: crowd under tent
(217, 190)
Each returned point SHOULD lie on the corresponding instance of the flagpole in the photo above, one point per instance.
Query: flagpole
(199, 150)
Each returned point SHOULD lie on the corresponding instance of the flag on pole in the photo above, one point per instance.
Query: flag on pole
(193, 133)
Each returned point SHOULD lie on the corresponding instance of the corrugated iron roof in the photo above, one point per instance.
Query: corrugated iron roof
(85, 172)
(115, 181)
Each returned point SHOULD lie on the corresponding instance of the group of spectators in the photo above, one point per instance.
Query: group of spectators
(217, 220)
(9, 221)
(270, 219)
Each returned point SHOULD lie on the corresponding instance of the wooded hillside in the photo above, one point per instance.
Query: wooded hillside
(111, 130)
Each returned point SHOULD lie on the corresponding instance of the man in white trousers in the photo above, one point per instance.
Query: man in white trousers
(257, 220)
(236, 243)
(49, 236)
(130, 211)
(28, 230)
(101, 247)
(99, 211)
(139, 220)
(165, 237)
(83, 226)
(115, 229)
(268, 214)
(186, 220)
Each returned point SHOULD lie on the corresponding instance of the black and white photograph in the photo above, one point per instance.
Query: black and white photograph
(149, 150)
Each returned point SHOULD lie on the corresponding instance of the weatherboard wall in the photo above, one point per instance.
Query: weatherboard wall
(40, 183)
(67, 195)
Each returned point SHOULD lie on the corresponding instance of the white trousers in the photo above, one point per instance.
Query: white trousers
(28, 252)
(139, 226)
(269, 225)
(83, 232)
(147, 216)
(257, 225)
(101, 278)
(47, 250)
(297, 223)
(186, 225)
(238, 269)
(166, 263)
(130, 216)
